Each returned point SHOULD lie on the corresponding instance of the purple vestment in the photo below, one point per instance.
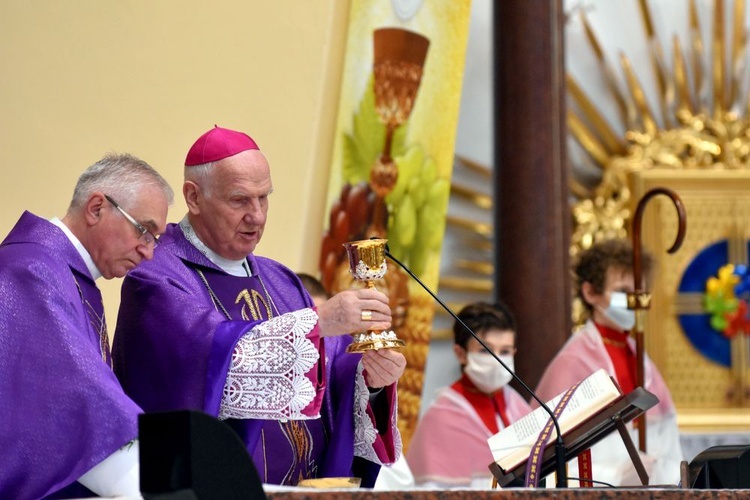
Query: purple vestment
(62, 409)
(174, 345)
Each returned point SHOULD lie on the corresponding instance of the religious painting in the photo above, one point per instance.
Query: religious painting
(392, 160)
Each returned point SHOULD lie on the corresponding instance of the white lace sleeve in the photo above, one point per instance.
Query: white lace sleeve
(266, 379)
(364, 430)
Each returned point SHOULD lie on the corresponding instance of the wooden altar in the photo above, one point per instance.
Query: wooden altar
(515, 493)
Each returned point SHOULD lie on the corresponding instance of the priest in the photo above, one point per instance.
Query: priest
(208, 325)
(66, 423)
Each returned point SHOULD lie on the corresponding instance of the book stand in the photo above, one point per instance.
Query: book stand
(582, 437)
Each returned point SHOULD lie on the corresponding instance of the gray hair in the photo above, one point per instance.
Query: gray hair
(200, 174)
(120, 175)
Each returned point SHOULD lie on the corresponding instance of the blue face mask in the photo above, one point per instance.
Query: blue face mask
(618, 313)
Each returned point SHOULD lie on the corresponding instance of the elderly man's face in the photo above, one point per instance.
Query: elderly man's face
(230, 218)
(117, 246)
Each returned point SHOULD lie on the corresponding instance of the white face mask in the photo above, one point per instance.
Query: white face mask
(486, 373)
(618, 311)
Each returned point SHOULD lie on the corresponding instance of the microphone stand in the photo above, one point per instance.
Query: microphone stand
(559, 444)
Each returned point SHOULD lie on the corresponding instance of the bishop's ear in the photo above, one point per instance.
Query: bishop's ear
(191, 192)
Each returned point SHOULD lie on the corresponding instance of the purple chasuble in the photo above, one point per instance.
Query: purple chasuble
(173, 346)
(63, 410)
(296, 448)
(91, 297)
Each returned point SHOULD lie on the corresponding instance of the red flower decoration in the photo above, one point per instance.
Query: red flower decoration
(737, 321)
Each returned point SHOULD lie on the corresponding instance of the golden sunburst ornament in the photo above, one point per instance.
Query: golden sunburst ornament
(702, 122)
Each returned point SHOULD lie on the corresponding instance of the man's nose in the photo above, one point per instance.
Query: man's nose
(254, 213)
(146, 251)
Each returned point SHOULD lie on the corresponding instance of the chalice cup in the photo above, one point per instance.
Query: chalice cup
(367, 264)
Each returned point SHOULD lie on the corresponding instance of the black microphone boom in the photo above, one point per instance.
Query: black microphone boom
(559, 444)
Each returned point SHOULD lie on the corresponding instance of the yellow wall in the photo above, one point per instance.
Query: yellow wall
(81, 78)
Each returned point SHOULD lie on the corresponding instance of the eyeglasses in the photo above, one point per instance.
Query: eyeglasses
(146, 237)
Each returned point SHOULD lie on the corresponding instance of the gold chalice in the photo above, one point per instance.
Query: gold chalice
(367, 263)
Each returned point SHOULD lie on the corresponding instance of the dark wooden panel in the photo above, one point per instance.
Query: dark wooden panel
(531, 176)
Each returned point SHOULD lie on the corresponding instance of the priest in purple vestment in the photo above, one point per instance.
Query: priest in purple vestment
(208, 325)
(66, 423)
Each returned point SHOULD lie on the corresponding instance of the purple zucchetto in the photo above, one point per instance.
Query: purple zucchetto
(217, 144)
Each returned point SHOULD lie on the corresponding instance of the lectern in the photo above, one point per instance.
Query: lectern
(611, 418)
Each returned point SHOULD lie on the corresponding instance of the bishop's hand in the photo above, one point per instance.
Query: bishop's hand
(354, 311)
(383, 367)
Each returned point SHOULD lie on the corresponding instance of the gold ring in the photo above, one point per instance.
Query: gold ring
(366, 315)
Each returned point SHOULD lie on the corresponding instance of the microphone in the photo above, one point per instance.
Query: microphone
(559, 444)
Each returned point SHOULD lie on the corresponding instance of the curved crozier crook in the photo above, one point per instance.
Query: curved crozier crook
(682, 220)
(639, 291)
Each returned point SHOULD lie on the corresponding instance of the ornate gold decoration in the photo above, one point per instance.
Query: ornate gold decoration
(698, 134)
(253, 302)
(699, 125)
(692, 131)
(367, 264)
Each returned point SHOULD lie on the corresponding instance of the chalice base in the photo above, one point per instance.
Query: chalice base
(373, 341)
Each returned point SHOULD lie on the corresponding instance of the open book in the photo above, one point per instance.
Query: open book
(512, 445)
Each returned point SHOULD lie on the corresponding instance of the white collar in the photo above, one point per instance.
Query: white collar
(85, 255)
(232, 267)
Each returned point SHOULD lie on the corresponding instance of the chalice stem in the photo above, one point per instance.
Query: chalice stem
(385, 156)
(382, 179)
